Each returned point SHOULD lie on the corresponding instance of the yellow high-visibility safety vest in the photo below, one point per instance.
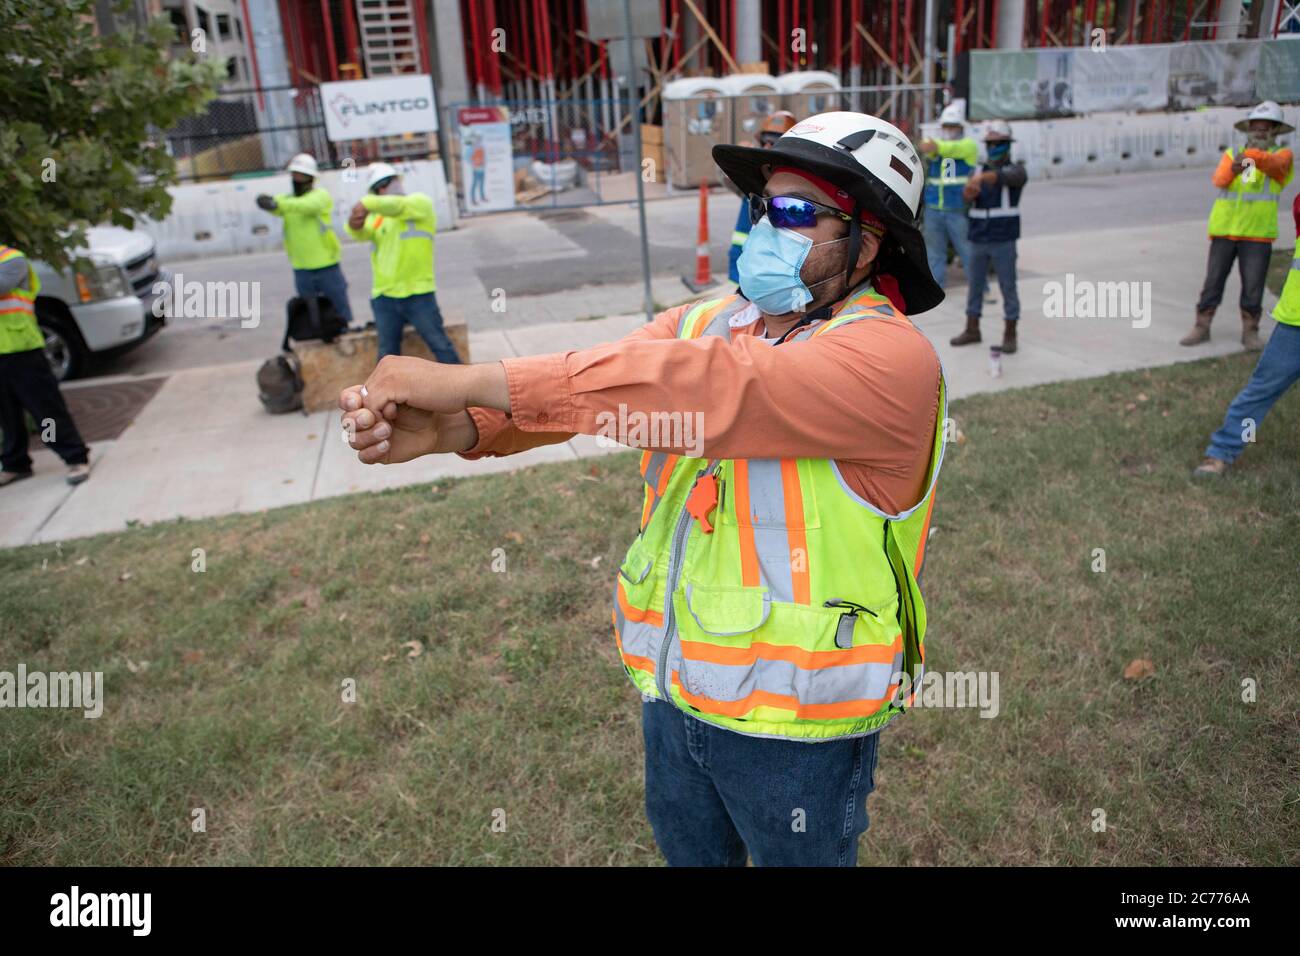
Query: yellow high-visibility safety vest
(1287, 310)
(1247, 209)
(18, 329)
(795, 614)
(401, 229)
(309, 236)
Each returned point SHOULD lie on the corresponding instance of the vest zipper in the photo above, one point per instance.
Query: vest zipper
(674, 572)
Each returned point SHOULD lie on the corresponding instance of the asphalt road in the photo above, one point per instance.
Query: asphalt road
(538, 254)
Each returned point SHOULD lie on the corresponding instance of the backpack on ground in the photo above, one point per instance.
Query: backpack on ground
(279, 384)
(311, 319)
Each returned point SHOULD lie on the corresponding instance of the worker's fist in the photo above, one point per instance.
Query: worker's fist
(266, 202)
(409, 434)
(406, 380)
(358, 217)
(970, 190)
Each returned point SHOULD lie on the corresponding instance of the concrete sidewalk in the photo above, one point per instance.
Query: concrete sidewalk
(203, 446)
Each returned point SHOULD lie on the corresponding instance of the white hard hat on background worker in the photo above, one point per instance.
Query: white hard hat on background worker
(1268, 110)
(304, 163)
(378, 172)
(952, 115)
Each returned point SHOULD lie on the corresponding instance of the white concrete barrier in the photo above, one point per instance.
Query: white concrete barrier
(222, 218)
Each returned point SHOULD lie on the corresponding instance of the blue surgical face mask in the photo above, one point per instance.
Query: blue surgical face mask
(998, 151)
(770, 264)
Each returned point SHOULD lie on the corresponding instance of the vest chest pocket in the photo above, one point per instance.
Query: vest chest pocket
(741, 652)
(636, 580)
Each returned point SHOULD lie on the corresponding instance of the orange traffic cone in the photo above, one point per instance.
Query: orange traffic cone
(703, 277)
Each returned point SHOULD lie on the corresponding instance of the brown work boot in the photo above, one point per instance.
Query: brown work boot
(1250, 333)
(1200, 331)
(1211, 468)
(1009, 337)
(971, 335)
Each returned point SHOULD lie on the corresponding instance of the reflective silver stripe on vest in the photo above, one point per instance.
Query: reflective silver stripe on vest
(771, 537)
(858, 313)
(653, 473)
(654, 468)
(413, 233)
(1248, 196)
(1002, 210)
(822, 685)
(637, 637)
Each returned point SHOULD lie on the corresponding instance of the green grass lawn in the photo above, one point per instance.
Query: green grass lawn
(223, 688)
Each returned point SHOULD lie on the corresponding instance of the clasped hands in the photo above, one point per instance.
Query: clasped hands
(410, 407)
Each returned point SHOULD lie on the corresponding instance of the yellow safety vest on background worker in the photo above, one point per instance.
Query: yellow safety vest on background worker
(1287, 310)
(764, 596)
(401, 229)
(309, 235)
(1248, 210)
(18, 329)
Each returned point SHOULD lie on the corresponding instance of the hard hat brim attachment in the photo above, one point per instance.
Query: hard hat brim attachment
(902, 251)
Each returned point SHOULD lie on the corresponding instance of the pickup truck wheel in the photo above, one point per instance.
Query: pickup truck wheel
(64, 349)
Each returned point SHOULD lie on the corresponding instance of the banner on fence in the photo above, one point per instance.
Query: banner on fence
(1121, 78)
(386, 106)
(1029, 84)
(1213, 74)
(485, 158)
(1279, 71)
(1003, 85)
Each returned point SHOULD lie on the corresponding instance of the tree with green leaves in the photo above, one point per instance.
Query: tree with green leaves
(80, 111)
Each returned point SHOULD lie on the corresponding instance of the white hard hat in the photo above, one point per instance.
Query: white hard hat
(997, 129)
(872, 162)
(952, 115)
(304, 163)
(1268, 110)
(378, 172)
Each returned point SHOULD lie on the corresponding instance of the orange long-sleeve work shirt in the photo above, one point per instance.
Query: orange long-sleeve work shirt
(865, 395)
(1276, 166)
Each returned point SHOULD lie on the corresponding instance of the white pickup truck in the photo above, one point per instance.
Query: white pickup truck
(103, 310)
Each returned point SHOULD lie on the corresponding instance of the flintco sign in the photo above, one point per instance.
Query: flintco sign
(361, 109)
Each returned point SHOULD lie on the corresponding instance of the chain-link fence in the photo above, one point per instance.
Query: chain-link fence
(572, 152)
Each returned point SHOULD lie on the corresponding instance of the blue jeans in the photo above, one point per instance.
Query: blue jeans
(1277, 370)
(1003, 256)
(391, 316)
(328, 282)
(941, 227)
(714, 797)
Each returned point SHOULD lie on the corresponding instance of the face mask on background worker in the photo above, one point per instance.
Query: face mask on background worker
(952, 132)
(301, 186)
(1260, 140)
(998, 152)
(772, 263)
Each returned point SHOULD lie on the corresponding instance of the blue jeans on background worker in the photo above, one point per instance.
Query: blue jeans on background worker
(391, 316)
(328, 282)
(1277, 370)
(941, 227)
(1003, 256)
(714, 796)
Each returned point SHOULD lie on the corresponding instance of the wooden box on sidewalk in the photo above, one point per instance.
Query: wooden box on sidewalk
(349, 360)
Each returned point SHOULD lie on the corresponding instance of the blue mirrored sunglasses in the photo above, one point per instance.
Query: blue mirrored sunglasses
(790, 212)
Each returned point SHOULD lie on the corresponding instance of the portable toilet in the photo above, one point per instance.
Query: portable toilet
(753, 97)
(809, 92)
(697, 117)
